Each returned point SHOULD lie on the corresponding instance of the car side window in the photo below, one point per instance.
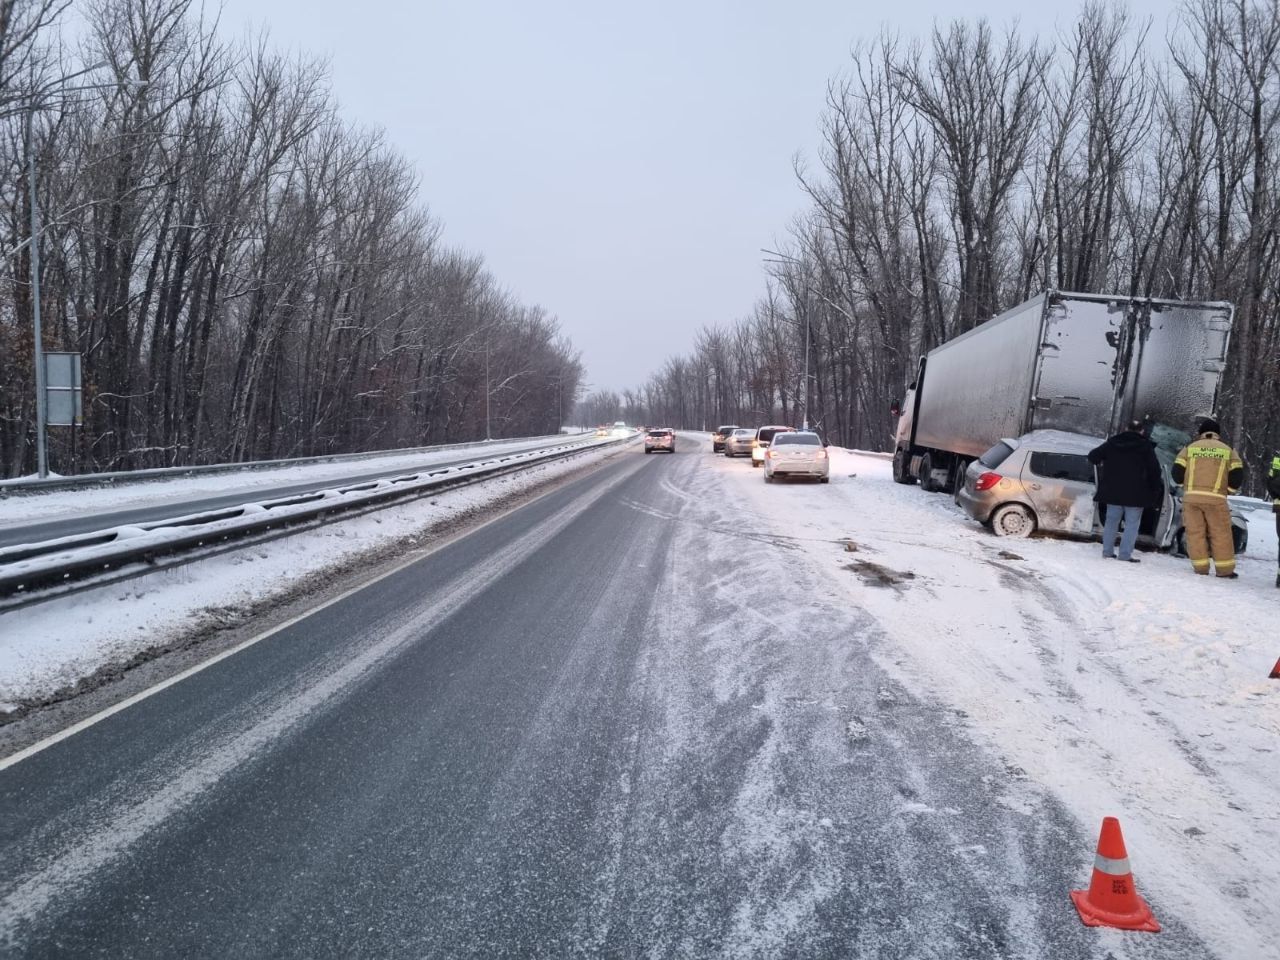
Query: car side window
(1062, 466)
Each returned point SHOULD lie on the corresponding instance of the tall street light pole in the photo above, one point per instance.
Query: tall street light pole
(783, 258)
(33, 256)
(487, 434)
(33, 259)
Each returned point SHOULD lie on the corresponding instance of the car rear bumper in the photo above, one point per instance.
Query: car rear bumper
(801, 469)
(977, 506)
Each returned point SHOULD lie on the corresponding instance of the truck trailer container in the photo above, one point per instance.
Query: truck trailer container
(1084, 363)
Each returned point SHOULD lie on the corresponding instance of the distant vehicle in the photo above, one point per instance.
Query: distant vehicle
(1043, 482)
(620, 429)
(797, 453)
(718, 438)
(1081, 363)
(762, 439)
(662, 439)
(602, 431)
(738, 443)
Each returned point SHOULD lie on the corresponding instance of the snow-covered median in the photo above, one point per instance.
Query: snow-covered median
(26, 507)
(1138, 690)
(50, 646)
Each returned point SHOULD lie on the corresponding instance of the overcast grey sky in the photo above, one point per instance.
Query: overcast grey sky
(621, 164)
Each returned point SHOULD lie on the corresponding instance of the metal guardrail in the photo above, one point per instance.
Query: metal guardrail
(33, 485)
(38, 571)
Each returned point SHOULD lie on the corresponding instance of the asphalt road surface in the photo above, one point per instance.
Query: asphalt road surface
(162, 509)
(605, 724)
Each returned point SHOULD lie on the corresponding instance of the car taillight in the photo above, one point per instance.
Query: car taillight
(987, 480)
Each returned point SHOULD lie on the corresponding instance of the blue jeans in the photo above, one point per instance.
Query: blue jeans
(1132, 518)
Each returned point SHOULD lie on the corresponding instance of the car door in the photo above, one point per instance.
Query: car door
(1061, 489)
(1170, 520)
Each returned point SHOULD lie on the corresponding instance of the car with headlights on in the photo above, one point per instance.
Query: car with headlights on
(797, 453)
(738, 443)
(764, 436)
(661, 440)
(718, 438)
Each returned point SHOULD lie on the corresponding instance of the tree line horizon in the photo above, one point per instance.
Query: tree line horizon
(963, 172)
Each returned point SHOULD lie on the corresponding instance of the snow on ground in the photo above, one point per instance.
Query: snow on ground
(23, 508)
(1138, 690)
(48, 646)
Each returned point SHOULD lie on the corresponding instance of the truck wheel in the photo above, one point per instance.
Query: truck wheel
(957, 482)
(900, 472)
(926, 474)
(1013, 520)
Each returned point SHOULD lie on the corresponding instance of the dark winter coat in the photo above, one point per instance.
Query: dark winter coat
(1128, 471)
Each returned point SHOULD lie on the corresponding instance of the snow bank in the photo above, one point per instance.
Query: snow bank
(1137, 690)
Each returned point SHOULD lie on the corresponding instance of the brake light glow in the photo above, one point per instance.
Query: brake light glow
(987, 480)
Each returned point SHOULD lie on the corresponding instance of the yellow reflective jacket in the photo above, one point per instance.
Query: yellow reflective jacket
(1208, 463)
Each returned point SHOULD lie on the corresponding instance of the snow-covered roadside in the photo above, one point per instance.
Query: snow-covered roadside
(24, 508)
(1134, 690)
(49, 646)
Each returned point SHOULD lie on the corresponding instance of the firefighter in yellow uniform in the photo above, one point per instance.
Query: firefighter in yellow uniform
(1208, 470)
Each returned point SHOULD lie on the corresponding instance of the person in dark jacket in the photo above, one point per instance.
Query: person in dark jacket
(1129, 481)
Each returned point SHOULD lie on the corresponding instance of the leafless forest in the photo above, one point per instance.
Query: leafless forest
(247, 274)
(962, 172)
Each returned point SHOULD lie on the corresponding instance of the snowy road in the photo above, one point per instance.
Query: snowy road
(607, 724)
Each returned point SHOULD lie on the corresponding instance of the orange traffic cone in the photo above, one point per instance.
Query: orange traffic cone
(1111, 900)
(1275, 672)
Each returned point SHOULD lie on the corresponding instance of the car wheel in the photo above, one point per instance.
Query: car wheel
(1013, 520)
(824, 479)
(900, 472)
(647, 450)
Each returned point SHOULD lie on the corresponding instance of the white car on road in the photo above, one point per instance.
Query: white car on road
(761, 443)
(797, 453)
